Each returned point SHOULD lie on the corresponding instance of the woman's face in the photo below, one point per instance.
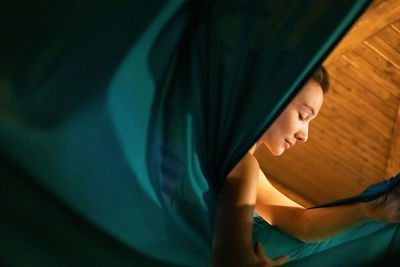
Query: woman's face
(292, 125)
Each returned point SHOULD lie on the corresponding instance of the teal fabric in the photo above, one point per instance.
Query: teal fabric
(38, 230)
(372, 192)
(128, 116)
(364, 245)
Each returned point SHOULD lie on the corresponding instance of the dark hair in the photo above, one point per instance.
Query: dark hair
(321, 76)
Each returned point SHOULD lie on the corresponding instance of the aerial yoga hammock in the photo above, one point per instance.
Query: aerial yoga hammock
(119, 122)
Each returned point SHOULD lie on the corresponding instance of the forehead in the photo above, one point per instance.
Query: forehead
(311, 94)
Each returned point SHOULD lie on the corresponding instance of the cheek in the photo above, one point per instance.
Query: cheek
(293, 126)
(273, 132)
(289, 125)
(286, 125)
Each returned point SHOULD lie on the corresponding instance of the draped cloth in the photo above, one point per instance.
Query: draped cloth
(120, 122)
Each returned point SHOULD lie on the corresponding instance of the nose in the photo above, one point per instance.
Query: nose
(302, 134)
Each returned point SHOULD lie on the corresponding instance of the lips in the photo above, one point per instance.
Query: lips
(288, 144)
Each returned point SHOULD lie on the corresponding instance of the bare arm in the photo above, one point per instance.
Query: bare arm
(307, 225)
(232, 243)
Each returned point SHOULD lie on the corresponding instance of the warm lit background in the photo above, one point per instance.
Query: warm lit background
(355, 140)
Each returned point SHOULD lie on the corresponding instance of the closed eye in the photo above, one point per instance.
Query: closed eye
(301, 117)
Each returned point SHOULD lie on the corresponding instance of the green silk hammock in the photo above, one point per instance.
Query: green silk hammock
(120, 119)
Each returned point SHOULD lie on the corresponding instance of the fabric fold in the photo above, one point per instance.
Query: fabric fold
(132, 114)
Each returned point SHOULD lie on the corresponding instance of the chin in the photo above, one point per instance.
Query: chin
(277, 152)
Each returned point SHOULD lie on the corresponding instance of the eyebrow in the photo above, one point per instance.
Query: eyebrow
(312, 110)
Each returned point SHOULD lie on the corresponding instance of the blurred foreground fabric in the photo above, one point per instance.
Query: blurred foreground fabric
(119, 122)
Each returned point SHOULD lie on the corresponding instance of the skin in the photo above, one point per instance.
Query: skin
(247, 189)
(293, 123)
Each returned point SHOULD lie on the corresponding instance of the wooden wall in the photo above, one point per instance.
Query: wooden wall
(355, 141)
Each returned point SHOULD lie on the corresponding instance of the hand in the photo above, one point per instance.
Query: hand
(385, 208)
(264, 261)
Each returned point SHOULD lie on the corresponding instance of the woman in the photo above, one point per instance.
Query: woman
(246, 188)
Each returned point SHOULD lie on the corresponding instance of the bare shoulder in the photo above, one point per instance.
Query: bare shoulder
(247, 166)
(240, 185)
